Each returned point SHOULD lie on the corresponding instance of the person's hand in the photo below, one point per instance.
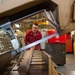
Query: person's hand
(33, 47)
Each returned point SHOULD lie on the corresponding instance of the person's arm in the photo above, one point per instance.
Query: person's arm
(26, 40)
(39, 36)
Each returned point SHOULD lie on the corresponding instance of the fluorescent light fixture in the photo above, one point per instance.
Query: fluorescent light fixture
(17, 25)
(17, 30)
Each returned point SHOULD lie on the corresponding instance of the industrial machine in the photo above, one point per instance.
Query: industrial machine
(9, 56)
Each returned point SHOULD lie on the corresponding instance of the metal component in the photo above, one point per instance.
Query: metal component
(1, 46)
(13, 40)
(49, 16)
(29, 12)
(74, 11)
(15, 43)
(5, 43)
(25, 64)
(34, 43)
(4, 59)
(6, 27)
(52, 21)
(28, 15)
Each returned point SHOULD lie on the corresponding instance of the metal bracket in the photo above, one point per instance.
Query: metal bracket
(6, 27)
(34, 43)
(52, 20)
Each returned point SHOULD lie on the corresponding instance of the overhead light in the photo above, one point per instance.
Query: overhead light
(17, 30)
(47, 22)
(16, 34)
(17, 25)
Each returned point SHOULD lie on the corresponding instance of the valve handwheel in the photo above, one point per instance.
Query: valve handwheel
(1, 46)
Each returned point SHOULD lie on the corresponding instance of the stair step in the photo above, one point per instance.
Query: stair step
(36, 57)
(38, 66)
(37, 53)
(38, 63)
(36, 60)
(37, 70)
(38, 74)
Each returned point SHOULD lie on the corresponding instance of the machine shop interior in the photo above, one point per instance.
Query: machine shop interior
(56, 23)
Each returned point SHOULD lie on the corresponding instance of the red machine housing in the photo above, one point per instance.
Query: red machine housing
(56, 39)
(65, 39)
